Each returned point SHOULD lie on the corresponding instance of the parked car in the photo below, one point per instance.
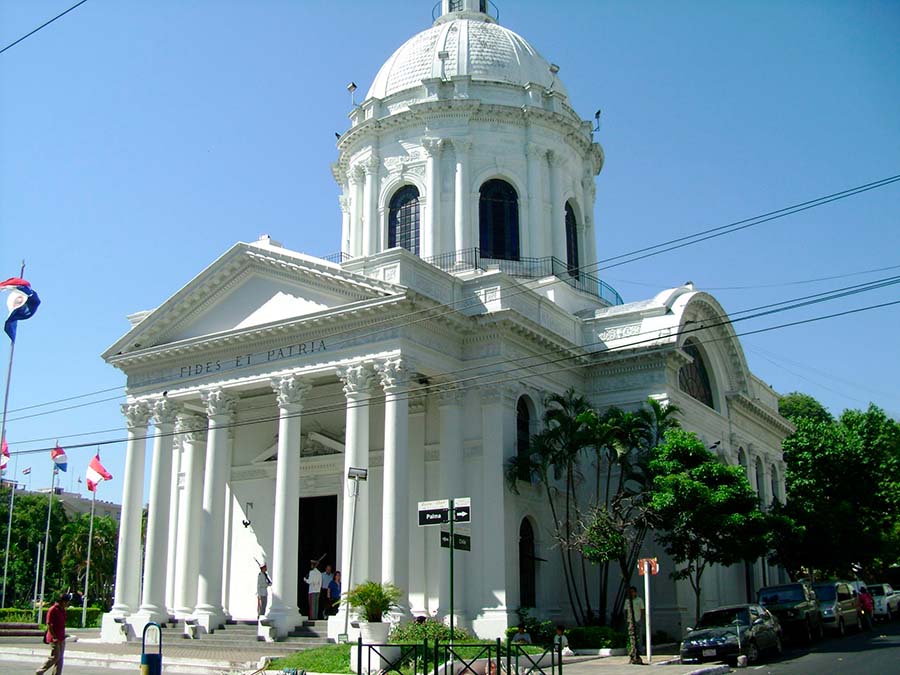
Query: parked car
(887, 601)
(840, 607)
(724, 633)
(796, 607)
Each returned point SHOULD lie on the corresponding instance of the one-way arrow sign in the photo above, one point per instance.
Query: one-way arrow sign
(462, 510)
(461, 542)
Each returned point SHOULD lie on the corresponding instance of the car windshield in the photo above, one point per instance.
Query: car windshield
(724, 617)
(826, 592)
(780, 594)
(876, 590)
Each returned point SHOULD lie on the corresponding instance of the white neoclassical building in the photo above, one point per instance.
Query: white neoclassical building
(423, 352)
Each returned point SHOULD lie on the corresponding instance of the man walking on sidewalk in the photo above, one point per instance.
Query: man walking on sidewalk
(56, 635)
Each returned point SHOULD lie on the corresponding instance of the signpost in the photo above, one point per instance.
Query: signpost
(440, 511)
(646, 567)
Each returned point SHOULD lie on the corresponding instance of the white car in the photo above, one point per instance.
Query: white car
(887, 601)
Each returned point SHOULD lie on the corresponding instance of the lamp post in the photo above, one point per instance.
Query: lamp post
(354, 475)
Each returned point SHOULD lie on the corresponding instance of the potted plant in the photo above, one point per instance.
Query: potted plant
(372, 601)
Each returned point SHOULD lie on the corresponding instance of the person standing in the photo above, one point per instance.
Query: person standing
(324, 604)
(262, 590)
(56, 635)
(634, 617)
(334, 593)
(314, 579)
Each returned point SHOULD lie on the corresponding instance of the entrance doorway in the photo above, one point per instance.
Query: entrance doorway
(318, 537)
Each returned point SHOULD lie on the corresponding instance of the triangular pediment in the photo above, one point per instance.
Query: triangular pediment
(250, 286)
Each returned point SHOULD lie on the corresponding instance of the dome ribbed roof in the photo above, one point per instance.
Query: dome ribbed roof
(482, 49)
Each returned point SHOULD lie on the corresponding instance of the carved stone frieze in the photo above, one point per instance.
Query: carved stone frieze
(219, 403)
(290, 390)
(359, 379)
(137, 414)
(191, 428)
(620, 332)
(449, 394)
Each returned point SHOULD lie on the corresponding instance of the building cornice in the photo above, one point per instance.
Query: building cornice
(754, 408)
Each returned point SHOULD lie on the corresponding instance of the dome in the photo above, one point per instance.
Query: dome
(482, 49)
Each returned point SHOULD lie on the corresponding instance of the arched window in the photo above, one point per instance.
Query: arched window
(526, 564)
(693, 378)
(523, 437)
(742, 460)
(571, 241)
(403, 219)
(498, 220)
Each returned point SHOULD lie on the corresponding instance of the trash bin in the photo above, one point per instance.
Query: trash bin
(151, 664)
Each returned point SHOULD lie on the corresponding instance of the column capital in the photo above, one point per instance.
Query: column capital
(462, 146)
(137, 414)
(344, 201)
(535, 150)
(497, 393)
(218, 402)
(165, 411)
(290, 390)
(555, 158)
(394, 374)
(355, 175)
(432, 146)
(449, 394)
(370, 165)
(191, 427)
(359, 379)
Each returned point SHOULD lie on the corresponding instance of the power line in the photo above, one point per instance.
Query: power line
(517, 288)
(423, 391)
(43, 25)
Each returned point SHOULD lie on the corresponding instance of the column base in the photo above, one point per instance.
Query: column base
(209, 619)
(114, 628)
(139, 621)
(336, 626)
(492, 623)
(284, 621)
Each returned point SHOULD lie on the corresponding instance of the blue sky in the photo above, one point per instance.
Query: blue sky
(138, 141)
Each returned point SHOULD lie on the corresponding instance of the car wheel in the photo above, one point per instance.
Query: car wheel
(842, 630)
(752, 653)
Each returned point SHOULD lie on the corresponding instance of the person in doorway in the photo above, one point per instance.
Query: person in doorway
(56, 635)
(521, 637)
(314, 580)
(324, 604)
(334, 593)
(634, 615)
(262, 590)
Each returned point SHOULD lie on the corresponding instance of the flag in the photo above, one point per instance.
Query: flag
(22, 303)
(26, 471)
(96, 473)
(58, 455)
(4, 455)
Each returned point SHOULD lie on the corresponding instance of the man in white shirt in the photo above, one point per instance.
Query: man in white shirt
(262, 590)
(314, 579)
(634, 604)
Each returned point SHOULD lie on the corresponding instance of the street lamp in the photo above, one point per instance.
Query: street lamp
(355, 475)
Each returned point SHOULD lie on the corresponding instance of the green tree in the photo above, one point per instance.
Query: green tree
(796, 406)
(29, 525)
(73, 547)
(708, 511)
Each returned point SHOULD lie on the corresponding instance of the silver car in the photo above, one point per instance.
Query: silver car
(840, 607)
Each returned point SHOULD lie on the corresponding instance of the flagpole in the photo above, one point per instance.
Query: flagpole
(12, 351)
(12, 498)
(46, 546)
(87, 574)
(37, 572)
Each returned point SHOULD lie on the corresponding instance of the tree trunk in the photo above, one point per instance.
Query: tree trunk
(633, 655)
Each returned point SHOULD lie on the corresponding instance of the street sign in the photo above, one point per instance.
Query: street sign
(434, 512)
(462, 510)
(461, 542)
(644, 562)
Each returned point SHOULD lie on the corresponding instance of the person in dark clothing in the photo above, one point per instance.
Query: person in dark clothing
(56, 635)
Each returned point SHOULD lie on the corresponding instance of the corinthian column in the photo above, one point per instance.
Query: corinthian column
(290, 391)
(536, 159)
(153, 599)
(557, 224)
(359, 382)
(370, 204)
(429, 242)
(395, 512)
(450, 402)
(128, 562)
(220, 410)
(354, 179)
(192, 432)
(344, 201)
(461, 205)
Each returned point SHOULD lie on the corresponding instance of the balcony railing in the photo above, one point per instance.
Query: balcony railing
(523, 268)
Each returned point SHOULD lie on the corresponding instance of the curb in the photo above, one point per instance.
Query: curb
(712, 670)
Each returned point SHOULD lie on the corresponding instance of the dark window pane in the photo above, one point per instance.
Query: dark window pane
(403, 219)
(498, 220)
(456, 5)
(523, 437)
(526, 565)
(693, 379)
(571, 241)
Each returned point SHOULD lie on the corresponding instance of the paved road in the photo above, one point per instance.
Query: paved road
(875, 652)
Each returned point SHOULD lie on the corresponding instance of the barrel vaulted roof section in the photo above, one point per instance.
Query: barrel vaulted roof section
(484, 50)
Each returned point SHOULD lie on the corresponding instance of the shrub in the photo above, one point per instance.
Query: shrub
(541, 632)
(372, 600)
(430, 630)
(16, 615)
(595, 637)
